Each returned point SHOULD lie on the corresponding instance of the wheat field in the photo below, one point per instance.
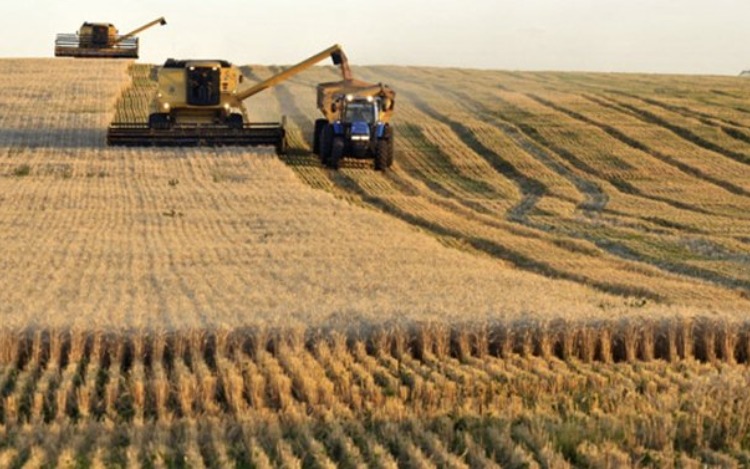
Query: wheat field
(554, 274)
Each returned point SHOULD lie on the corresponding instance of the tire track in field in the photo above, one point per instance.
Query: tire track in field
(480, 242)
(622, 186)
(682, 132)
(730, 187)
(638, 145)
(531, 189)
(490, 246)
(467, 228)
(441, 175)
(609, 248)
(617, 249)
(449, 182)
(471, 141)
(628, 188)
(674, 267)
(595, 198)
(622, 251)
(612, 249)
(725, 125)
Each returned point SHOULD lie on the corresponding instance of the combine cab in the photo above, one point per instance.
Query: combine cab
(199, 103)
(101, 40)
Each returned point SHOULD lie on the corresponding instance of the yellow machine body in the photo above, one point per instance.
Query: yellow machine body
(198, 91)
(332, 97)
(199, 102)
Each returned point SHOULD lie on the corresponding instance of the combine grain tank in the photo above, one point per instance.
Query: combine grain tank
(101, 40)
(199, 103)
(357, 121)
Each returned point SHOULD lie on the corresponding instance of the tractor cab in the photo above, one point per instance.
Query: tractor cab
(360, 110)
(360, 120)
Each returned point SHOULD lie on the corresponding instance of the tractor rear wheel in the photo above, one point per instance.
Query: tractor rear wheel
(320, 124)
(389, 134)
(384, 150)
(337, 153)
(382, 155)
(326, 142)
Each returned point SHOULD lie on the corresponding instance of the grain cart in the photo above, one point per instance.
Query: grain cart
(199, 103)
(356, 123)
(101, 40)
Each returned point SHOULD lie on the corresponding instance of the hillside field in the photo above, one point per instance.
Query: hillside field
(555, 273)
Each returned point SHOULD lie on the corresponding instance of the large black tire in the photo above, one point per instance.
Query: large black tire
(381, 155)
(326, 142)
(337, 153)
(158, 120)
(389, 134)
(320, 124)
(384, 151)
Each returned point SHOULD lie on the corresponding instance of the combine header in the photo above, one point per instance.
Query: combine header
(101, 40)
(199, 103)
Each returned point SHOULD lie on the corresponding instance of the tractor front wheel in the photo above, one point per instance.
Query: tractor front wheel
(320, 125)
(326, 143)
(337, 153)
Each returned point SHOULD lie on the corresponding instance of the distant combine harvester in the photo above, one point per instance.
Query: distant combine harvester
(101, 40)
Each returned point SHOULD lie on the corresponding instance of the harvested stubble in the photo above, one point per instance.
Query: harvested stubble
(656, 389)
(540, 171)
(151, 299)
(152, 239)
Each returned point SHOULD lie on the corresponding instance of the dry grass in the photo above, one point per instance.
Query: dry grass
(150, 240)
(555, 174)
(486, 397)
(528, 292)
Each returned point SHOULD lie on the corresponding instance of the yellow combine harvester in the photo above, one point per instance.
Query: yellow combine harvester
(101, 40)
(199, 102)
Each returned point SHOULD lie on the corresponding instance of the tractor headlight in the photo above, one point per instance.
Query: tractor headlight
(350, 97)
(370, 99)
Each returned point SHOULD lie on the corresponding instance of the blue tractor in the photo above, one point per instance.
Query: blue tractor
(356, 124)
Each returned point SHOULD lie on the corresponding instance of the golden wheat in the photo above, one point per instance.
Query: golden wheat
(527, 292)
